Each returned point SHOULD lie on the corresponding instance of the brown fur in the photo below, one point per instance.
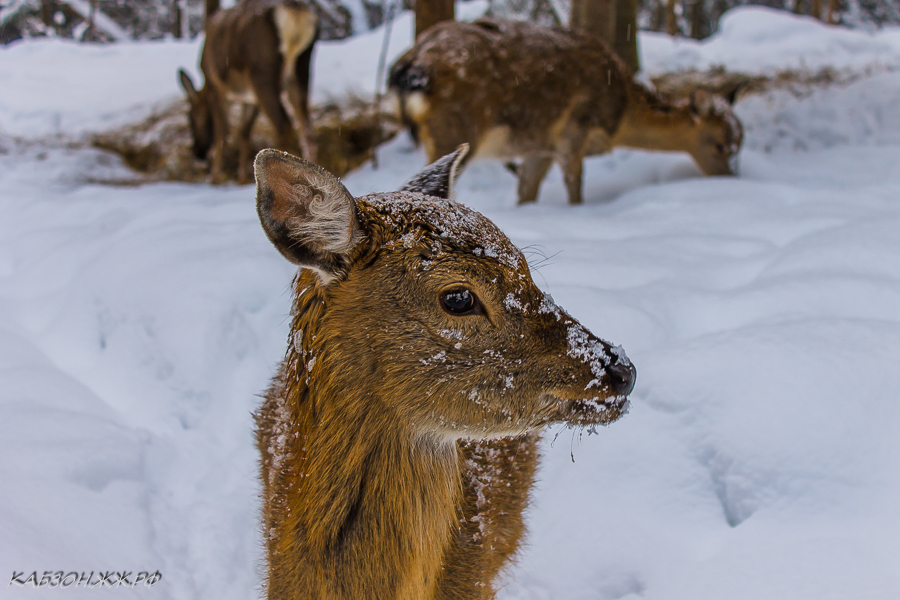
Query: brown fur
(398, 440)
(514, 90)
(252, 52)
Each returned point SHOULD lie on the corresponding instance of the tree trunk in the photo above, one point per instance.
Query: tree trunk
(657, 15)
(47, 11)
(177, 16)
(671, 18)
(833, 7)
(92, 15)
(626, 33)
(815, 8)
(429, 12)
(211, 7)
(699, 20)
(597, 17)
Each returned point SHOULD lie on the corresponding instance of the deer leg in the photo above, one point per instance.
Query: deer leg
(220, 136)
(571, 161)
(298, 94)
(249, 113)
(531, 173)
(268, 92)
(572, 173)
(436, 148)
(440, 139)
(428, 144)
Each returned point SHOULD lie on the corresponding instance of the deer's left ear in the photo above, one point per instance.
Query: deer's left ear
(438, 178)
(187, 84)
(306, 213)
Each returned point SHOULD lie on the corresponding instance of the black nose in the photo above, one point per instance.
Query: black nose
(621, 378)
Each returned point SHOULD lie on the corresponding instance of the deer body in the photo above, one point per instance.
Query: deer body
(253, 52)
(514, 90)
(398, 440)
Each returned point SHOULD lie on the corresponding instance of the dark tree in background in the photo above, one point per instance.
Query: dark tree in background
(178, 18)
(615, 21)
(626, 33)
(597, 17)
(429, 12)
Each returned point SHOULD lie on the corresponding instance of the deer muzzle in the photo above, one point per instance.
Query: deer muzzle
(589, 379)
(598, 378)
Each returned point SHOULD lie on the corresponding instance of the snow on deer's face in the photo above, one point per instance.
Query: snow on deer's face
(432, 310)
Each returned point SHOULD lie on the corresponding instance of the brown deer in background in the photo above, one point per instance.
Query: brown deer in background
(513, 90)
(253, 51)
(399, 438)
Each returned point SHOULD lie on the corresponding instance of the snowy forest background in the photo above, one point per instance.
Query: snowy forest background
(108, 20)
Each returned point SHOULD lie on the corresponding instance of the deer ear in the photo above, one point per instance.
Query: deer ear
(187, 84)
(438, 178)
(306, 212)
(735, 93)
(702, 102)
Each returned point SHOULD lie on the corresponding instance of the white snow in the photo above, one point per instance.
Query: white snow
(756, 39)
(760, 458)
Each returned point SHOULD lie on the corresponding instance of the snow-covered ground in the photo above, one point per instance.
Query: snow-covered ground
(760, 459)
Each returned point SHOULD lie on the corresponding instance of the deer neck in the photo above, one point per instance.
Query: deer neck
(374, 498)
(652, 123)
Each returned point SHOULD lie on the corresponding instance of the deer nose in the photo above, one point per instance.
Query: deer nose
(621, 377)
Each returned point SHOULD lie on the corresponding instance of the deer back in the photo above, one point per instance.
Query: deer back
(513, 90)
(530, 81)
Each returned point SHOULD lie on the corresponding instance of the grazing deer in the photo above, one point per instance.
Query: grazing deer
(253, 51)
(399, 437)
(514, 90)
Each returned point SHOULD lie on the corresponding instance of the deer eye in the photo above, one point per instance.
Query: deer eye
(720, 148)
(460, 302)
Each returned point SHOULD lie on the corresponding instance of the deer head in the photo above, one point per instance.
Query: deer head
(199, 115)
(428, 307)
(718, 133)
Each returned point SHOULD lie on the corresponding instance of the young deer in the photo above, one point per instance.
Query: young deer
(518, 91)
(399, 437)
(253, 51)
